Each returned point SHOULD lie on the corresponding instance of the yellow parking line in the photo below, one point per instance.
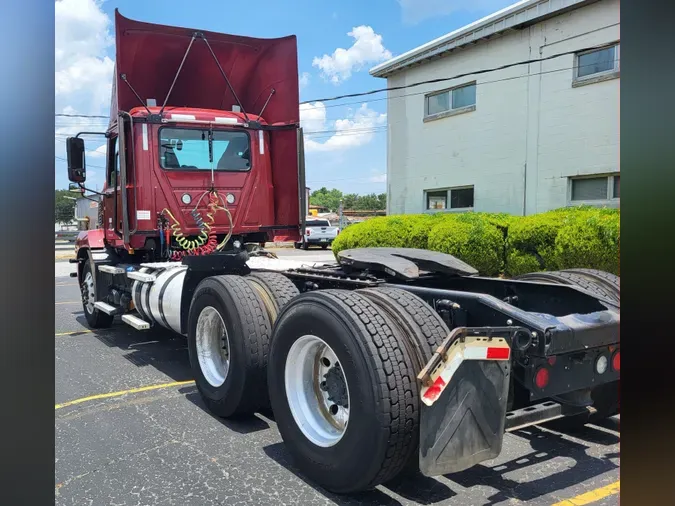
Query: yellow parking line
(83, 331)
(592, 496)
(123, 392)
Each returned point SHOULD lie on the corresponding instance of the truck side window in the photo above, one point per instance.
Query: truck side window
(113, 163)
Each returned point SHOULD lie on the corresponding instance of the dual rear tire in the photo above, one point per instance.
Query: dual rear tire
(229, 330)
(338, 370)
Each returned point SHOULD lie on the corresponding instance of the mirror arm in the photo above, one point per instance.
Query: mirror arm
(92, 191)
(105, 134)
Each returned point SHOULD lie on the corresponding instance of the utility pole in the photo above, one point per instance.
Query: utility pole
(340, 213)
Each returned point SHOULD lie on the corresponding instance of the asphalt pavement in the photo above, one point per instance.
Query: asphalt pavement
(131, 429)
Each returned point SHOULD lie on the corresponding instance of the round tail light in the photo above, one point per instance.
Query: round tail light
(616, 366)
(541, 378)
(601, 364)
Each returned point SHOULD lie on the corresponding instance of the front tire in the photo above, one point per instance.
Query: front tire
(371, 441)
(96, 319)
(228, 342)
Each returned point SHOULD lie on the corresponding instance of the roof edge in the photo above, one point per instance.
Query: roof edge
(519, 13)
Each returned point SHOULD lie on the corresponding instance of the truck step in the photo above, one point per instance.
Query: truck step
(106, 308)
(143, 277)
(135, 322)
(111, 269)
(533, 415)
(161, 265)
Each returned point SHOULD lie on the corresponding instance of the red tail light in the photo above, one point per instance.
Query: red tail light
(308, 231)
(541, 378)
(338, 232)
(616, 361)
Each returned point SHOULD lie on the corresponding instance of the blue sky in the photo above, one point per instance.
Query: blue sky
(354, 161)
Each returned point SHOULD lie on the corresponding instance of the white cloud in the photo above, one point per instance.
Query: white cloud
(415, 11)
(366, 50)
(357, 129)
(304, 80)
(83, 74)
(83, 70)
(378, 178)
(99, 152)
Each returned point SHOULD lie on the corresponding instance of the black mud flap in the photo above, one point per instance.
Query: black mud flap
(465, 424)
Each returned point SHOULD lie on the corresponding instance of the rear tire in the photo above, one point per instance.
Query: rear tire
(379, 378)
(610, 281)
(305, 245)
(324, 246)
(424, 331)
(227, 311)
(600, 289)
(275, 290)
(96, 319)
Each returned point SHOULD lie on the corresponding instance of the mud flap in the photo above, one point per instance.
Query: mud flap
(464, 405)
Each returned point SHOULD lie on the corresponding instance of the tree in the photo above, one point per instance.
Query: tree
(349, 200)
(64, 208)
(329, 199)
(367, 203)
(382, 201)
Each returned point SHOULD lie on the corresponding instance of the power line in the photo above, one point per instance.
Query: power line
(429, 81)
(457, 76)
(81, 116)
(88, 165)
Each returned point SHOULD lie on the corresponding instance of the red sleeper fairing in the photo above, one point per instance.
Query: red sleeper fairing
(149, 55)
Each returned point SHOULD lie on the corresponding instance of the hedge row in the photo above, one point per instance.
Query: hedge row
(501, 243)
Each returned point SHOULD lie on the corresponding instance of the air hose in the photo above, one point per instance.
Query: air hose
(206, 241)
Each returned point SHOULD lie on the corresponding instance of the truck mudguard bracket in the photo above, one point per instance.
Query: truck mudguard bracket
(464, 400)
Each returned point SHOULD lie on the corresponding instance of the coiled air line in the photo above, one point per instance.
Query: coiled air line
(206, 242)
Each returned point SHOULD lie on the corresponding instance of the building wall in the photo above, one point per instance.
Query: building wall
(531, 128)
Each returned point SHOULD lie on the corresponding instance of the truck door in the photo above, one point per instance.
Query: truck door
(112, 202)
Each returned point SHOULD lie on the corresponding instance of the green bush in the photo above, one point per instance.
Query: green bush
(498, 242)
(562, 239)
(400, 231)
(589, 240)
(472, 239)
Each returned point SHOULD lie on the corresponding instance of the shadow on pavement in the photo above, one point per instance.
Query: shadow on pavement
(420, 489)
(546, 446)
(279, 454)
(244, 424)
(156, 347)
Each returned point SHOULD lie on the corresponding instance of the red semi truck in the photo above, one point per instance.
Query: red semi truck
(388, 361)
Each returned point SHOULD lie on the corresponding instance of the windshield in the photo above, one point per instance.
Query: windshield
(188, 149)
(318, 223)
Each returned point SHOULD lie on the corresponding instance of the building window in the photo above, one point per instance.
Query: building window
(457, 198)
(458, 99)
(597, 64)
(594, 189)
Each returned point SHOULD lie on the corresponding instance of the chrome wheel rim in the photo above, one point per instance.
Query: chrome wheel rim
(317, 391)
(213, 346)
(88, 293)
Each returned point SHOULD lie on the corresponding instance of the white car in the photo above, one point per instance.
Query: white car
(318, 232)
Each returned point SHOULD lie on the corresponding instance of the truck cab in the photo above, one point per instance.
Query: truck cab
(202, 142)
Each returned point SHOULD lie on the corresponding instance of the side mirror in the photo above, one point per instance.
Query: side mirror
(77, 172)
